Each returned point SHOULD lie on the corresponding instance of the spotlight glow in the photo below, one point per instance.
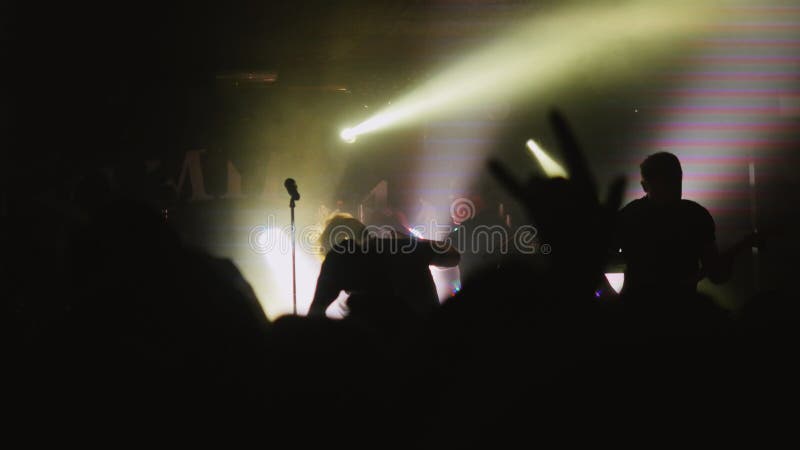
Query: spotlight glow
(348, 135)
(616, 280)
(551, 168)
(416, 233)
(279, 263)
(536, 55)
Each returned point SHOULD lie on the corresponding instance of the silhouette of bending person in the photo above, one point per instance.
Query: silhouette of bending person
(375, 269)
(668, 243)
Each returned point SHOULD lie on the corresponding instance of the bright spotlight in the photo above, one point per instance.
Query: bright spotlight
(542, 53)
(616, 280)
(551, 168)
(416, 233)
(278, 259)
(348, 135)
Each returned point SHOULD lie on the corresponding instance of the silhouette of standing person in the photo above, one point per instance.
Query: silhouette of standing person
(374, 269)
(668, 243)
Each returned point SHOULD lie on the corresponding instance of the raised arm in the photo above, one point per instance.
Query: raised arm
(328, 288)
(717, 266)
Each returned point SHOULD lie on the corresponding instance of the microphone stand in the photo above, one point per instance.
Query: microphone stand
(294, 274)
(754, 223)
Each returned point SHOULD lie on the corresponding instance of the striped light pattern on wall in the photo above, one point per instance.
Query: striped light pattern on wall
(729, 111)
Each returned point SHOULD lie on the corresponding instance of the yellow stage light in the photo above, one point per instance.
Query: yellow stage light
(607, 39)
(348, 135)
(551, 168)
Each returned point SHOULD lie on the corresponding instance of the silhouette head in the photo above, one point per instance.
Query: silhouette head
(662, 177)
(340, 227)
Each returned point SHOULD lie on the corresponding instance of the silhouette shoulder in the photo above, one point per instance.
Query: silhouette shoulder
(694, 206)
(696, 210)
(700, 216)
(634, 207)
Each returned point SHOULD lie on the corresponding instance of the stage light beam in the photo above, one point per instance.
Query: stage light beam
(348, 135)
(551, 168)
(541, 53)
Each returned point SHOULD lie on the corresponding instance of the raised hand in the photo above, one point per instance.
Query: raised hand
(567, 212)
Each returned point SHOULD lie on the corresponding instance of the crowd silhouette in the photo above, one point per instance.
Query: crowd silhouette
(122, 336)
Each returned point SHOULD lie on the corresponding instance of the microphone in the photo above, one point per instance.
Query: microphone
(291, 188)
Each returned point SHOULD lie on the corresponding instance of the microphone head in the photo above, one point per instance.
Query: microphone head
(291, 188)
